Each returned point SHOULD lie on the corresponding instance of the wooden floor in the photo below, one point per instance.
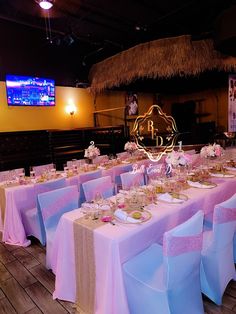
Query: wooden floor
(26, 286)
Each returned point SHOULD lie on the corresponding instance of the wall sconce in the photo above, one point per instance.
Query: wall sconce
(70, 109)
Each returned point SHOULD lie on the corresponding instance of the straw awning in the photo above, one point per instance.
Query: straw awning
(163, 58)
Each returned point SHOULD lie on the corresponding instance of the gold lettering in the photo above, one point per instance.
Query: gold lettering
(151, 128)
(157, 141)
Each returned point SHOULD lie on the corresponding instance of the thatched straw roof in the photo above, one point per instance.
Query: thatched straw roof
(160, 58)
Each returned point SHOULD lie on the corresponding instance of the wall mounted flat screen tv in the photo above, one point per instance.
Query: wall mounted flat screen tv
(30, 91)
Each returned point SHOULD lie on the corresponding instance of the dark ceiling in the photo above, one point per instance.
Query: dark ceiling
(77, 34)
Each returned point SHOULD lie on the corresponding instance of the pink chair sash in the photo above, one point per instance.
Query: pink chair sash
(174, 246)
(224, 215)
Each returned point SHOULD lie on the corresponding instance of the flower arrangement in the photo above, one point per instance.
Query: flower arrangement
(92, 151)
(130, 147)
(214, 150)
(178, 159)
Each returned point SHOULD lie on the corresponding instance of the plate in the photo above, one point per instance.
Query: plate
(172, 198)
(145, 216)
(202, 184)
(222, 175)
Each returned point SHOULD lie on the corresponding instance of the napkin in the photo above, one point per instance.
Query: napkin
(105, 207)
(124, 216)
(200, 185)
(168, 198)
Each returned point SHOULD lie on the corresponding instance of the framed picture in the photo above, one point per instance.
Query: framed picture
(131, 104)
(232, 104)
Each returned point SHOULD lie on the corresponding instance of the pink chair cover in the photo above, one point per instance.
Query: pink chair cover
(42, 168)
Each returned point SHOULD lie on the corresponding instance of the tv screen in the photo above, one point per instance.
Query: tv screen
(30, 91)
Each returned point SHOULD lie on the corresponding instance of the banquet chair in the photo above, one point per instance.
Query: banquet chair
(122, 155)
(84, 177)
(217, 261)
(32, 218)
(117, 171)
(10, 174)
(166, 279)
(103, 186)
(39, 170)
(229, 203)
(153, 172)
(131, 179)
(52, 205)
(77, 162)
(100, 159)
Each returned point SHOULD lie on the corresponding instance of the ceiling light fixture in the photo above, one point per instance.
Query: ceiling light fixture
(46, 4)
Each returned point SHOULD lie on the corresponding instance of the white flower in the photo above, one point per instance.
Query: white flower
(92, 151)
(214, 150)
(178, 158)
(130, 147)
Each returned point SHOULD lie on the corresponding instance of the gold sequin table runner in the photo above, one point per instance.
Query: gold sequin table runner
(85, 263)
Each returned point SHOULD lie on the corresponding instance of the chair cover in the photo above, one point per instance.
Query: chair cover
(102, 185)
(77, 162)
(123, 155)
(10, 174)
(217, 265)
(117, 172)
(100, 159)
(41, 169)
(52, 206)
(32, 218)
(166, 279)
(84, 177)
(130, 179)
(229, 203)
(152, 172)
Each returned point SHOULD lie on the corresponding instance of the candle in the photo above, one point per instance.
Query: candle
(180, 145)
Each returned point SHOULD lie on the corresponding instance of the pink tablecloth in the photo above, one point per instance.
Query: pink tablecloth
(22, 197)
(116, 244)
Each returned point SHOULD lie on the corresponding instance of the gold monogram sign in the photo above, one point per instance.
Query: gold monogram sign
(155, 133)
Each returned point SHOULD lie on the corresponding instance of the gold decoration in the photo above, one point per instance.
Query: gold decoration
(156, 130)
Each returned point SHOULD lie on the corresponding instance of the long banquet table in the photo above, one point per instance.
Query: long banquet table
(115, 244)
(22, 197)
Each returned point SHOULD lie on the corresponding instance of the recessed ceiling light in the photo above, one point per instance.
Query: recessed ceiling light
(46, 4)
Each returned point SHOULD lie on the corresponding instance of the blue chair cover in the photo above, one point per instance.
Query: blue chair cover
(52, 206)
(32, 218)
(217, 263)
(166, 279)
(229, 203)
(84, 178)
(102, 185)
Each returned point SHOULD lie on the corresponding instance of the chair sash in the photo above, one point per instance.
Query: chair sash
(224, 215)
(173, 246)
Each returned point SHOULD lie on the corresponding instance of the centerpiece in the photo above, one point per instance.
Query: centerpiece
(91, 152)
(130, 147)
(212, 151)
(176, 159)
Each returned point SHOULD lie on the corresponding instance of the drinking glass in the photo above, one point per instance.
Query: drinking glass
(32, 173)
